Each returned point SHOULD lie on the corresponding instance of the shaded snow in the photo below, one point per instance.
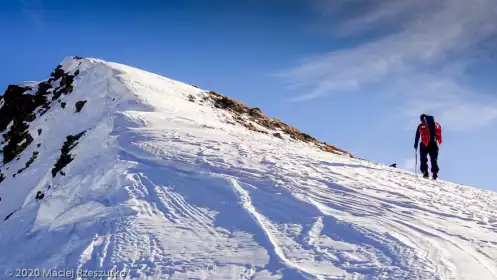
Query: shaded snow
(30, 84)
(165, 188)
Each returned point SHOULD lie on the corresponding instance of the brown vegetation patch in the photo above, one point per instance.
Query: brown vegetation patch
(255, 115)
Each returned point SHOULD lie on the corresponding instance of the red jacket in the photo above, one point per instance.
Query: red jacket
(424, 131)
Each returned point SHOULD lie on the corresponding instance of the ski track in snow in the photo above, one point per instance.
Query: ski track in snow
(165, 188)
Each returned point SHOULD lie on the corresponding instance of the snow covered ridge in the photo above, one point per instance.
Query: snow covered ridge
(253, 119)
(110, 168)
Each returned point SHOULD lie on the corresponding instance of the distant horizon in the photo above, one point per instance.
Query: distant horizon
(356, 75)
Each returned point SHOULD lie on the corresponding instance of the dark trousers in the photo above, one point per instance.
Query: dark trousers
(431, 150)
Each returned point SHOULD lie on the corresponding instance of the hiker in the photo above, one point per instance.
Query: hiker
(431, 137)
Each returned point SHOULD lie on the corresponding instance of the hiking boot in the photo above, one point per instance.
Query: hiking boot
(426, 175)
(435, 175)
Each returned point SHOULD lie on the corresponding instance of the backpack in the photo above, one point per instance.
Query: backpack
(430, 121)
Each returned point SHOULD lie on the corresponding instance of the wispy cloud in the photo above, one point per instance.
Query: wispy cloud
(425, 58)
(385, 12)
(34, 10)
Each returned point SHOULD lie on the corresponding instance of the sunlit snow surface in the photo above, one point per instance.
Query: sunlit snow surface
(165, 188)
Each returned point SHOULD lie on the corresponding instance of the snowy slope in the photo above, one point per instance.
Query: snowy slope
(166, 185)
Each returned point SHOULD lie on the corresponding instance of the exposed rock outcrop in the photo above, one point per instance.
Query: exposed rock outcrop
(79, 105)
(66, 158)
(10, 215)
(18, 108)
(29, 162)
(18, 138)
(248, 116)
(39, 195)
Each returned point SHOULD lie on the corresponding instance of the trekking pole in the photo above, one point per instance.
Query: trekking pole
(416, 162)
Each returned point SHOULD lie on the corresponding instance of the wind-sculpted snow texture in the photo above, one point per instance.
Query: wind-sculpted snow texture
(165, 185)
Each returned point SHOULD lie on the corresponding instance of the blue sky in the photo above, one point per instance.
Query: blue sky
(353, 73)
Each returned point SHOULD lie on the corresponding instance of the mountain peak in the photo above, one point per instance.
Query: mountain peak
(19, 105)
(108, 167)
